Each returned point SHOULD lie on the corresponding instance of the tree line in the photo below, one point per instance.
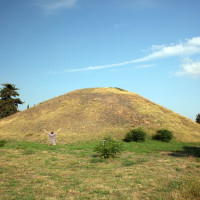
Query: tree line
(9, 101)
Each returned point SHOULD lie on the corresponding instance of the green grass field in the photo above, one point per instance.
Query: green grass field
(150, 170)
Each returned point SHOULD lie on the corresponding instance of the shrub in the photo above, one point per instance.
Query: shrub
(137, 135)
(128, 137)
(163, 135)
(109, 148)
(119, 89)
(2, 143)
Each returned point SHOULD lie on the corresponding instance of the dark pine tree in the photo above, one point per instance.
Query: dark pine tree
(8, 100)
(198, 118)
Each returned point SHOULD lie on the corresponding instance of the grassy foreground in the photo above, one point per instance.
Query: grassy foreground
(150, 170)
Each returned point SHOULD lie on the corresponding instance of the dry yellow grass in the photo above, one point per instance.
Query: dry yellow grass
(93, 113)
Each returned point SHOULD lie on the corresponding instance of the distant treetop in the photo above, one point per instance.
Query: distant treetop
(8, 101)
(198, 118)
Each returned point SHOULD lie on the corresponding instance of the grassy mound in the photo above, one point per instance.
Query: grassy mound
(93, 113)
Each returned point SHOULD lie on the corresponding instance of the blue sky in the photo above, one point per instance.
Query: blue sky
(149, 47)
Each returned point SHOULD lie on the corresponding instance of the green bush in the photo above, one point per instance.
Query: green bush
(2, 143)
(163, 135)
(109, 148)
(137, 135)
(128, 136)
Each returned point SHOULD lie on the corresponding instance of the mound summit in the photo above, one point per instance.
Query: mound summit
(92, 113)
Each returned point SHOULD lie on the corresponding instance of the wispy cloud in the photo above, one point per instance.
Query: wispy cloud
(186, 48)
(101, 66)
(145, 66)
(189, 67)
(53, 5)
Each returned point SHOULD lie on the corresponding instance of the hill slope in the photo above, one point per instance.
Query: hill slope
(93, 113)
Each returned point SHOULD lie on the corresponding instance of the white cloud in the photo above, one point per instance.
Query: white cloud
(52, 5)
(194, 41)
(145, 66)
(157, 47)
(187, 48)
(190, 47)
(189, 67)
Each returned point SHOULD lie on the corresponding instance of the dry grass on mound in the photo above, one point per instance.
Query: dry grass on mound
(93, 113)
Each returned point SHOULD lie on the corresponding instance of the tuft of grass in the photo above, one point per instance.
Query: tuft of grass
(189, 189)
(28, 151)
(128, 163)
(97, 160)
(3, 142)
(101, 193)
